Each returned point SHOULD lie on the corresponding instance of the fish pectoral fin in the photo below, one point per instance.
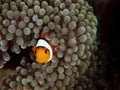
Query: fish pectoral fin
(33, 49)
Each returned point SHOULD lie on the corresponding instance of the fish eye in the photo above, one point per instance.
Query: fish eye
(46, 50)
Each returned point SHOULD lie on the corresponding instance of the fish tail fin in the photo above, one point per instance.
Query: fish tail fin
(54, 48)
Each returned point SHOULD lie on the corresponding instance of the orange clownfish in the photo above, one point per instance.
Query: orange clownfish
(43, 50)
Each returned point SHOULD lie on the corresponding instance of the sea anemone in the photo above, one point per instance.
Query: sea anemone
(70, 24)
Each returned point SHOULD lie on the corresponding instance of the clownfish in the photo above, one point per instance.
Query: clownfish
(43, 50)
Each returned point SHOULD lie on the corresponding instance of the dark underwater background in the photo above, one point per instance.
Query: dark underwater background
(108, 15)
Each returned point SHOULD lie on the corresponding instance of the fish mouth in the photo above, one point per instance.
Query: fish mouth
(40, 59)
